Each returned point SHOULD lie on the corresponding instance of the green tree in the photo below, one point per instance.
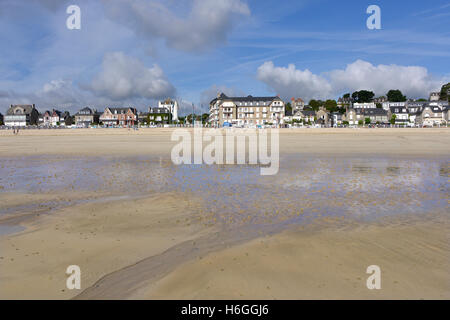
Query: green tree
(315, 104)
(331, 105)
(363, 96)
(346, 96)
(445, 92)
(396, 96)
(392, 121)
(205, 117)
(288, 108)
(367, 121)
(360, 122)
(379, 105)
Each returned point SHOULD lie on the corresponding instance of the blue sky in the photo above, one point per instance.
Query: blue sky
(133, 52)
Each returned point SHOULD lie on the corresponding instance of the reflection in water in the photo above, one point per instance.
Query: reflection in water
(304, 189)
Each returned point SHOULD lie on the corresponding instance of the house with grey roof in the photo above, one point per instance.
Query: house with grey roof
(305, 116)
(21, 115)
(356, 116)
(432, 115)
(86, 116)
(401, 114)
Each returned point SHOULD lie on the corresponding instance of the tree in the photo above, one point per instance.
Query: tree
(315, 104)
(379, 105)
(363, 96)
(288, 108)
(360, 122)
(331, 105)
(367, 121)
(396, 96)
(392, 121)
(69, 120)
(346, 96)
(445, 92)
(205, 117)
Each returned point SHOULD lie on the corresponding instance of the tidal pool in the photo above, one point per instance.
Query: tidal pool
(306, 187)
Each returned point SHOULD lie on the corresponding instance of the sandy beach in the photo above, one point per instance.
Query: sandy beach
(111, 201)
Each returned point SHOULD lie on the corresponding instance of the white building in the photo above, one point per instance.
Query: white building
(365, 105)
(171, 105)
(246, 111)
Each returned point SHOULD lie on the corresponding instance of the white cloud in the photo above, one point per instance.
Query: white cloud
(291, 82)
(206, 24)
(123, 77)
(122, 81)
(59, 94)
(413, 81)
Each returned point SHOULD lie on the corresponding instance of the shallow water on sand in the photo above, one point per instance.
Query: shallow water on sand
(306, 188)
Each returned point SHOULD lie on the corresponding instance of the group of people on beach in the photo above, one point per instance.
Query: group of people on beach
(16, 131)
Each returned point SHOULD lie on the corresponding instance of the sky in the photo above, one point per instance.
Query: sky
(135, 52)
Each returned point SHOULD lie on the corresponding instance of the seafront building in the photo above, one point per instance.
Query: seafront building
(246, 111)
(171, 106)
(86, 117)
(119, 117)
(297, 105)
(21, 115)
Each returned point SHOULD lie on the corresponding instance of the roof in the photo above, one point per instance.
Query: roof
(288, 113)
(401, 109)
(27, 108)
(86, 111)
(372, 111)
(222, 96)
(307, 112)
(120, 110)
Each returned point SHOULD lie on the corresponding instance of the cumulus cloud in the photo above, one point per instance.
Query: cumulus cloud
(207, 24)
(291, 82)
(121, 81)
(413, 81)
(123, 77)
(60, 94)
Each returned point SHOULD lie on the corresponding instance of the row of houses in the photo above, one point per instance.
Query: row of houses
(25, 115)
(256, 111)
(405, 114)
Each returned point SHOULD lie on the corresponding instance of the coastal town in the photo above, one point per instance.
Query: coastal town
(359, 109)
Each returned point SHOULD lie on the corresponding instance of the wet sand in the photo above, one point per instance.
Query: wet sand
(326, 264)
(140, 228)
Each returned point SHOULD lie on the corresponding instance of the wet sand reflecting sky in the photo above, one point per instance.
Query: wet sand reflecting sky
(305, 188)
